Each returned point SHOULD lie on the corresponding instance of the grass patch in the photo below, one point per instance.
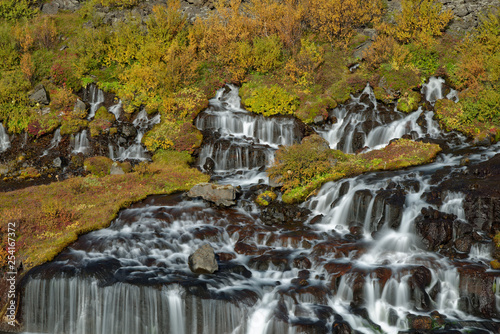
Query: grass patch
(304, 168)
(50, 217)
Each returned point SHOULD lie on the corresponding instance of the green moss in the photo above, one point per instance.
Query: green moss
(98, 166)
(409, 102)
(319, 106)
(269, 100)
(306, 167)
(101, 122)
(266, 198)
(72, 125)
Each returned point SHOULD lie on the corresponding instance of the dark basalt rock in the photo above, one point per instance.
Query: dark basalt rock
(209, 165)
(279, 213)
(476, 291)
(435, 228)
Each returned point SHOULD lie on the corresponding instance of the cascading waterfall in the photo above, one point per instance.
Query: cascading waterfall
(96, 99)
(116, 110)
(80, 143)
(136, 151)
(4, 139)
(244, 140)
(357, 264)
(54, 142)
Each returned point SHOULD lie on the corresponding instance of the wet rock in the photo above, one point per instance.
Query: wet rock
(393, 317)
(209, 165)
(388, 208)
(476, 291)
(435, 228)
(129, 131)
(57, 162)
(341, 327)
(40, 95)
(224, 195)
(419, 322)
(279, 213)
(116, 169)
(202, 261)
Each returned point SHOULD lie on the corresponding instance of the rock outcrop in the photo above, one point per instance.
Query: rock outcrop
(203, 261)
(224, 195)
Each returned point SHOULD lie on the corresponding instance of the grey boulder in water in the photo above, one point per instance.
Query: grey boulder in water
(203, 260)
(224, 195)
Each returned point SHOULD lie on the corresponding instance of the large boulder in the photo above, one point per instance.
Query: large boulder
(202, 261)
(40, 95)
(224, 195)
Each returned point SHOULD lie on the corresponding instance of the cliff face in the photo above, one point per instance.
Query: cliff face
(467, 12)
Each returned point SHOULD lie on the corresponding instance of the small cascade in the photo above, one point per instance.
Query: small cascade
(239, 140)
(228, 98)
(136, 151)
(80, 143)
(116, 110)
(453, 203)
(433, 90)
(4, 139)
(54, 142)
(95, 99)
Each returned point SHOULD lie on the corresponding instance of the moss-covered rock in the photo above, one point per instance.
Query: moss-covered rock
(98, 166)
(172, 135)
(266, 198)
(409, 102)
(101, 123)
(304, 168)
(72, 125)
(315, 110)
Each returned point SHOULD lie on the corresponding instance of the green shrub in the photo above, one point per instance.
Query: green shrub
(98, 166)
(273, 100)
(267, 53)
(17, 9)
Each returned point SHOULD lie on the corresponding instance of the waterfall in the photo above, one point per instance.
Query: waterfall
(242, 140)
(54, 142)
(433, 90)
(136, 151)
(350, 258)
(4, 139)
(116, 109)
(80, 143)
(96, 99)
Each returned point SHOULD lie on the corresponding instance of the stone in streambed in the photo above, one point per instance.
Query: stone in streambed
(224, 195)
(202, 261)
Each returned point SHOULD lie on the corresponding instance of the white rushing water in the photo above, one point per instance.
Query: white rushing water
(358, 263)
(4, 139)
(80, 143)
(137, 151)
(96, 99)
(54, 142)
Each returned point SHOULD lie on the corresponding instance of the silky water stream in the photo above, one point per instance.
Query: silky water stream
(353, 264)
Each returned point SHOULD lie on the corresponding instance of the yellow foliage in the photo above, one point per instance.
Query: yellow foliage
(420, 20)
(301, 67)
(283, 18)
(337, 19)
